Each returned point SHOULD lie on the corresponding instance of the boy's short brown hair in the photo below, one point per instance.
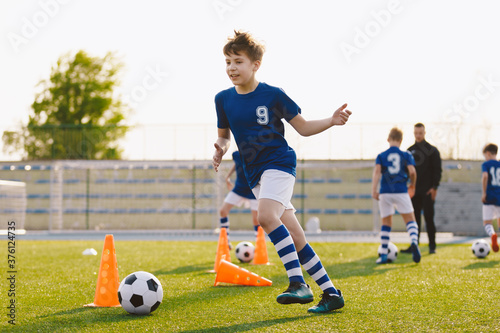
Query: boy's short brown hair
(396, 134)
(491, 148)
(246, 43)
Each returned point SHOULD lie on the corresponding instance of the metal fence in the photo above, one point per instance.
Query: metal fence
(195, 141)
(96, 195)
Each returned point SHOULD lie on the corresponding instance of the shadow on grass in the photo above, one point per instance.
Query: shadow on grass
(483, 264)
(202, 268)
(78, 318)
(248, 326)
(67, 312)
(362, 267)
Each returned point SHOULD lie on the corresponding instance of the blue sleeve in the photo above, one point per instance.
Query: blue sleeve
(222, 121)
(379, 159)
(484, 167)
(410, 159)
(288, 108)
(237, 158)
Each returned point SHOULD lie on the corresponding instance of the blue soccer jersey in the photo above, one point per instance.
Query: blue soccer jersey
(394, 163)
(255, 119)
(492, 167)
(241, 184)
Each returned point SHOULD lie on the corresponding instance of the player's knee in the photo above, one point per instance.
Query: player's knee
(265, 218)
(224, 212)
(298, 236)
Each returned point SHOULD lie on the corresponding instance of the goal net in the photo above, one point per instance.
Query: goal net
(141, 195)
(13, 203)
(98, 195)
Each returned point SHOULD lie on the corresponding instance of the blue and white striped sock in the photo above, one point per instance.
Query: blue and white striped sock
(312, 264)
(412, 229)
(384, 239)
(489, 229)
(224, 223)
(286, 250)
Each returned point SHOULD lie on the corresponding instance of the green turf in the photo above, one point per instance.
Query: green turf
(450, 291)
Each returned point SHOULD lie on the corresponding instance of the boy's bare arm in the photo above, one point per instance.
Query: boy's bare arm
(413, 175)
(413, 181)
(231, 171)
(377, 172)
(484, 181)
(221, 146)
(311, 127)
(228, 177)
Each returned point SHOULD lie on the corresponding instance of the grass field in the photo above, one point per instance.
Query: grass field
(450, 291)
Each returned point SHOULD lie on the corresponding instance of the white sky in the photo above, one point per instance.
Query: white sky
(418, 59)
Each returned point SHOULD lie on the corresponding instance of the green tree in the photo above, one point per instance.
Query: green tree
(75, 115)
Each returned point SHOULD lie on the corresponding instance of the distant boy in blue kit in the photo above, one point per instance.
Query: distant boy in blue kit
(240, 194)
(253, 112)
(491, 191)
(392, 169)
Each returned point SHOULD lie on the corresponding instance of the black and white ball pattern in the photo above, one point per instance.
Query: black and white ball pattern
(392, 253)
(481, 248)
(140, 293)
(245, 251)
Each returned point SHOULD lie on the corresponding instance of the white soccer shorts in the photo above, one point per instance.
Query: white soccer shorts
(239, 201)
(389, 202)
(490, 212)
(276, 185)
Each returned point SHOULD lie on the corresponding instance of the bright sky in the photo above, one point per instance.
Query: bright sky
(394, 62)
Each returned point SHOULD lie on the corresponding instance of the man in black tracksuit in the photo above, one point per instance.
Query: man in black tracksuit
(428, 166)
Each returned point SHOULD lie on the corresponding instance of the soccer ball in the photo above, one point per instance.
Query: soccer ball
(392, 254)
(140, 293)
(481, 248)
(245, 251)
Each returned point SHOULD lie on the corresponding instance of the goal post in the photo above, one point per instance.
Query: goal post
(13, 203)
(157, 195)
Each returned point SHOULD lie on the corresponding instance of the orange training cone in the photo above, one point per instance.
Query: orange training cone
(231, 273)
(222, 249)
(106, 292)
(260, 257)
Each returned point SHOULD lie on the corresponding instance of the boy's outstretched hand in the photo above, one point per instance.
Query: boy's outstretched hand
(217, 157)
(341, 116)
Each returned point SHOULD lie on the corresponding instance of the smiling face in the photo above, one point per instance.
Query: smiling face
(241, 71)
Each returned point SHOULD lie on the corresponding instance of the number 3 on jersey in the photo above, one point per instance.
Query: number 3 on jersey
(395, 159)
(262, 115)
(495, 176)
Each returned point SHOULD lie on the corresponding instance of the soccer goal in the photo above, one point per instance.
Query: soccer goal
(12, 204)
(157, 195)
(137, 195)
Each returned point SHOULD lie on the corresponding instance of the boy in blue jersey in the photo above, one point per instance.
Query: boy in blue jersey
(392, 169)
(253, 112)
(239, 195)
(491, 191)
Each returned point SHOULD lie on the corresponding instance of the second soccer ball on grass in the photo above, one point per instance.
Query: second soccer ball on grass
(245, 252)
(392, 255)
(481, 248)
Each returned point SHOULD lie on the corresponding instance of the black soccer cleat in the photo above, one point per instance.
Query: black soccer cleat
(297, 292)
(328, 303)
(416, 252)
